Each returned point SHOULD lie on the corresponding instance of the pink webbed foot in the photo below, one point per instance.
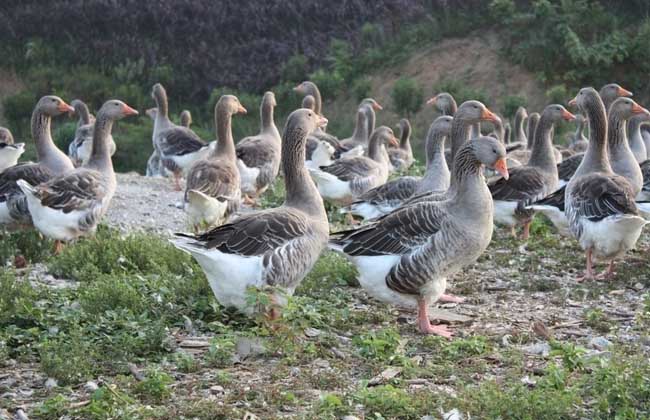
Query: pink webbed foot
(446, 298)
(425, 325)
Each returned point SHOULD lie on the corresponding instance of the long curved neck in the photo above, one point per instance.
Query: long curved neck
(533, 123)
(162, 105)
(520, 135)
(84, 114)
(404, 141)
(301, 191)
(636, 138)
(596, 159)
(312, 90)
(48, 154)
(450, 108)
(100, 157)
(225, 143)
(370, 119)
(437, 171)
(360, 134)
(266, 115)
(467, 173)
(459, 136)
(374, 148)
(542, 155)
(580, 127)
(616, 131)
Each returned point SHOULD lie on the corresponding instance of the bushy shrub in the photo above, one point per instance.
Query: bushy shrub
(407, 96)
(511, 103)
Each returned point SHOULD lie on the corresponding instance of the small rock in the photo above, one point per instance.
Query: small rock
(638, 286)
(542, 349)
(321, 363)
(350, 418)
(452, 415)
(599, 343)
(385, 376)
(295, 371)
(91, 386)
(505, 340)
(51, 383)
(217, 389)
(248, 347)
(312, 332)
(187, 324)
(20, 415)
(527, 381)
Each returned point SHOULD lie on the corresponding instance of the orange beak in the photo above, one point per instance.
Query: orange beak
(377, 106)
(129, 111)
(573, 102)
(322, 121)
(393, 141)
(568, 116)
(297, 88)
(63, 107)
(624, 92)
(502, 168)
(638, 109)
(241, 110)
(488, 115)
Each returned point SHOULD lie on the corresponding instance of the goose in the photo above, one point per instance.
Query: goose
(578, 141)
(445, 103)
(186, 118)
(71, 205)
(348, 178)
(600, 205)
(258, 157)
(81, 146)
(635, 137)
(531, 125)
(608, 93)
(6, 136)
(179, 147)
(51, 161)
(469, 113)
(273, 247)
(385, 198)
(213, 190)
(520, 133)
(622, 163)
(405, 258)
(645, 133)
(357, 145)
(10, 153)
(522, 156)
(402, 157)
(535, 180)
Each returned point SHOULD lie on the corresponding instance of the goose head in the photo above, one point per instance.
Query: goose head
(231, 105)
(491, 153)
(269, 98)
(307, 120)
(6, 136)
(474, 111)
(304, 87)
(443, 102)
(385, 135)
(372, 103)
(612, 91)
(114, 109)
(625, 108)
(556, 113)
(53, 106)
(158, 93)
(521, 113)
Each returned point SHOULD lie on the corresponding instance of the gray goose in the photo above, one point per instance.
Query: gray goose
(645, 133)
(445, 103)
(348, 178)
(51, 162)
(608, 93)
(213, 190)
(81, 146)
(386, 198)
(535, 180)
(402, 157)
(357, 145)
(179, 147)
(405, 258)
(600, 205)
(273, 247)
(71, 205)
(310, 88)
(258, 157)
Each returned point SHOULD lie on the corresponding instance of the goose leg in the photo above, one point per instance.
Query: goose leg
(513, 232)
(58, 247)
(526, 233)
(425, 325)
(447, 298)
(609, 273)
(177, 181)
(589, 273)
(249, 201)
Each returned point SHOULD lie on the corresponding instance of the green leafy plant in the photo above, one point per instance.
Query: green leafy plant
(407, 96)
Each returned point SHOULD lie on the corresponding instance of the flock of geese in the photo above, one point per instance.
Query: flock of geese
(417, 231)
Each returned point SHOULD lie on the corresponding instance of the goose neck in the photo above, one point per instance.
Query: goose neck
(301, 190)
(225, 143)
(542, 154)
(596, 158)
(100, 157)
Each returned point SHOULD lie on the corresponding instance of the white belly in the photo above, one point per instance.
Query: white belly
(368, 210)
(612, 236)
(504, 213)
(248, 177)
(205, 211)
(330, 187)
(185, 161)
